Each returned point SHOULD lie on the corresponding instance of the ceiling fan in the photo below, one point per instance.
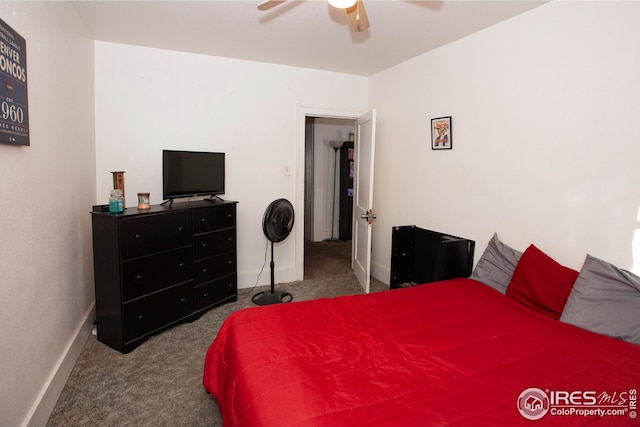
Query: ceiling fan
(356, 14)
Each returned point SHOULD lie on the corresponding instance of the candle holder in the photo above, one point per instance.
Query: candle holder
(143, 201)
(118, 182)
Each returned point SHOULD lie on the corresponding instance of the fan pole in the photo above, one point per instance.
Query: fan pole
(273, 276)
(273, 297)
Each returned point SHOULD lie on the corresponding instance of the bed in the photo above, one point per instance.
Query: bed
(459, 352)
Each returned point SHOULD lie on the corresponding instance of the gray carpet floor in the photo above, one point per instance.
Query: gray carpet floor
(160, 382)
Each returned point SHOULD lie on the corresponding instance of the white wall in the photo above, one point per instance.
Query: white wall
(545, 136)
(150, 99)
(46, 290)
(326, 162)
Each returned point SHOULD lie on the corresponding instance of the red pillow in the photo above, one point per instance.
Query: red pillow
(540, 283)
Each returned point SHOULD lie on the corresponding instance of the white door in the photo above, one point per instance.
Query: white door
(363, 215)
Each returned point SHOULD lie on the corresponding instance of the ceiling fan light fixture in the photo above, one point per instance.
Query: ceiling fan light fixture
(342, 4)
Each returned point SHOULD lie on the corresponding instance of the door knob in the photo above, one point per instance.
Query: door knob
(369, 216)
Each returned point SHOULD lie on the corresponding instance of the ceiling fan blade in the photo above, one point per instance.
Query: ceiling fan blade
(358, 20)
(266, 5)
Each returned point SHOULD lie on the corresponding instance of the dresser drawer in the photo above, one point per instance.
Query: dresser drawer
(213, 292)
(214, 218)
(145, 315)
(214, 243)
(215, 267)
(148, 234)
(141, 276)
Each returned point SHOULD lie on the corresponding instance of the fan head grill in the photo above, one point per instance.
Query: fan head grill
(278, 220)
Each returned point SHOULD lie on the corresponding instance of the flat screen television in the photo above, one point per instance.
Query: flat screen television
(192, 173)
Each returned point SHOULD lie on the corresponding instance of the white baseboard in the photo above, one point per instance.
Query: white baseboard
(248, 280)
(46, 400)
(380, 272)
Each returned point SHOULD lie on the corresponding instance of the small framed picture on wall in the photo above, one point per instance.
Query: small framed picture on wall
(441, 135)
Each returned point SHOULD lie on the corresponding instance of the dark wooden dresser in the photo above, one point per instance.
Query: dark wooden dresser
(161, 266)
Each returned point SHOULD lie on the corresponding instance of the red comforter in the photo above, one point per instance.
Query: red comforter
(452, 353)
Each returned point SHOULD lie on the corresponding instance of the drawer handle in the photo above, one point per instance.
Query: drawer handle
(204, 270)
(181, 265)
(141, 317)
(230, 239)
(230, 262)
(139, 277)
(183, 299)
(181, 228)
(204, 245)
(137, 237)
(205, 295)
(230, 285)
(229, 215)
(203, 220)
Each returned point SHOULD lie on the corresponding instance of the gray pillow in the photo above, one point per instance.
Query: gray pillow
(496, 265)
(606, 300)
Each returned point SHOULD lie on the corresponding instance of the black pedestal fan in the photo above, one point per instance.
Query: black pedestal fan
(277, 223)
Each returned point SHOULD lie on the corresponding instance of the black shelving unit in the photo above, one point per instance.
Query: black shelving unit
(421, 256)
(347, 165)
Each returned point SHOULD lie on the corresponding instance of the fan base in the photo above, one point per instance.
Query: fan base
(267, 298)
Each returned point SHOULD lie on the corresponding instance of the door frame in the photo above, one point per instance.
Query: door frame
(302, 112)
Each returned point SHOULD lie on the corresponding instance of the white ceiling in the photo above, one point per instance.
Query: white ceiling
(308, 34)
